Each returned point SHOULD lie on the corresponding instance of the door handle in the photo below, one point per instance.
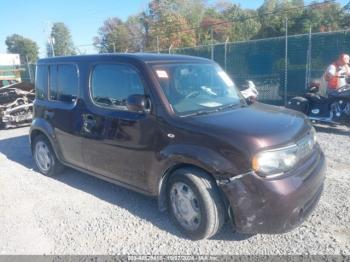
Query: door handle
(49, 114)
(89, 123)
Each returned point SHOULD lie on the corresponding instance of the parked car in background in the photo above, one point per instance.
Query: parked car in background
(176, 128)
(16, 103)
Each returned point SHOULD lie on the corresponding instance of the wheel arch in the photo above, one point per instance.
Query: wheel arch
(42, 127)
(169, 172)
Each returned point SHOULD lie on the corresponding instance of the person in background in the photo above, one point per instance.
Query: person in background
(337, 73)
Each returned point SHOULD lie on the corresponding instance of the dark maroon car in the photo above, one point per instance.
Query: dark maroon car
(176, 128)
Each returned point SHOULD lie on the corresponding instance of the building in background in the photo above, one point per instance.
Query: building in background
(10, 71)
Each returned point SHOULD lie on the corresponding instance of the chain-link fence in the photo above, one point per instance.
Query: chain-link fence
(264, 61)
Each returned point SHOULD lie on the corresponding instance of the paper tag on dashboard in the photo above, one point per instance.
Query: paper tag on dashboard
(162, 74)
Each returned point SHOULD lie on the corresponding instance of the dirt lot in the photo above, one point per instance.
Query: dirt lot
(75, 213)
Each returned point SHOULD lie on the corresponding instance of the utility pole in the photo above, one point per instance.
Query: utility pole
(50, 39)
(52, 42)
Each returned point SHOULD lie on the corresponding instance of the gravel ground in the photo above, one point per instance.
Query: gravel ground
(75, 213)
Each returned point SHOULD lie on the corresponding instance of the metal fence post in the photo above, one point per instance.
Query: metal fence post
(308, 61)
(226, 54)
(286, 66)
(157, 44)
(212, 43)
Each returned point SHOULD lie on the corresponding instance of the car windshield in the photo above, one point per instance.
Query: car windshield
(197, 88)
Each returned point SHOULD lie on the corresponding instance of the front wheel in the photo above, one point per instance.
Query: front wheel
(195, 203)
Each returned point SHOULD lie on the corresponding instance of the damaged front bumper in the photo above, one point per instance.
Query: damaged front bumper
(261, 205)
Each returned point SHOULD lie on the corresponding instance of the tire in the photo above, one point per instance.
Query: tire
(45, 157)
(192, 193)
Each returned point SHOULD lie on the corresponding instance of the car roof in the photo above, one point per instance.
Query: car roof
(144, 57)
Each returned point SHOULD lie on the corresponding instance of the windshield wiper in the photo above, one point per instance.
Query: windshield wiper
(229, 106)
(200, 112)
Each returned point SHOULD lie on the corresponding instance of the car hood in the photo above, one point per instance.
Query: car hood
(253, 127)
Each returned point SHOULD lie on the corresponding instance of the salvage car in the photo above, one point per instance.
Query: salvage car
(177, 128)
(16, 104)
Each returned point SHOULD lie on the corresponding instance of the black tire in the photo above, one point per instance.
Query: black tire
(55, 167)
(209, 205)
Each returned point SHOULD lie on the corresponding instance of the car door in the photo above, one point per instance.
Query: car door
(62, 111)
(117, 143)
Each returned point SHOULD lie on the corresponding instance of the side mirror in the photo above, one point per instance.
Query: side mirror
(138, 103)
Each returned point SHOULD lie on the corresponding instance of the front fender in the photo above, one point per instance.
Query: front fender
(211, 161)
(177, 156)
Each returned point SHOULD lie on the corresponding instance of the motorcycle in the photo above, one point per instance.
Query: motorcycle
(333, 109)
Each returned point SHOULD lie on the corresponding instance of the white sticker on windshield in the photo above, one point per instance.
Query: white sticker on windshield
(226, 78)
(162, 74)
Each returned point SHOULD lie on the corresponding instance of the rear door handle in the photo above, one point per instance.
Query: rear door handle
(89, 122)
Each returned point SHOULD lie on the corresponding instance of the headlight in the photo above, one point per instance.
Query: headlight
(277, 161)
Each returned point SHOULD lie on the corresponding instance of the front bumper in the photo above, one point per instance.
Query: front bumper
(260, 205)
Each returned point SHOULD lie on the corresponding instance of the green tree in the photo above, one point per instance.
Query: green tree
(62, 41)
(187, 23)
(172, 31)
(217, 28)
(167, 24)
(25, 47)
(243, 23)
(345, 19)
(229, 21)
(136, 34)
(273, 14)
(322, 18)
(113, 36)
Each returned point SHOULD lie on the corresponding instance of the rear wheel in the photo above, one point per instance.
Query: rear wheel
(194, 203)
(45, 158)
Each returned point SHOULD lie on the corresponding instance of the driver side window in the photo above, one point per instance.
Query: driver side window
(111, 84)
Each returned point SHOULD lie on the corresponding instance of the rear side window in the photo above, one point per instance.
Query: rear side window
(41, 84)
(63, 83)
(112, 84)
